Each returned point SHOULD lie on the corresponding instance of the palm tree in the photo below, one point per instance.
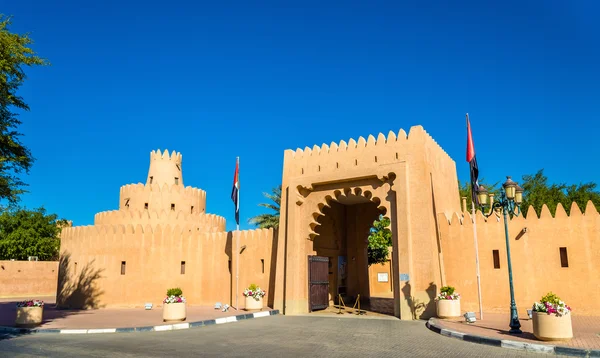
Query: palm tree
(265, 221)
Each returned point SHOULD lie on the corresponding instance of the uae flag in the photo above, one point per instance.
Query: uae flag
(471, 158)
(235, 192)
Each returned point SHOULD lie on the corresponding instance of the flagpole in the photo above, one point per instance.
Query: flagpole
(474, 218)
(237, 250)
(477, 258)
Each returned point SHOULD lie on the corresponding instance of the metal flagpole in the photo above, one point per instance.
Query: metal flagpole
(237, 250)
(474, 218)
(477, 258)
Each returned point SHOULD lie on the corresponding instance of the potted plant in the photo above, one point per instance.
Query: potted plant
(448, 303)
(29, 313)
(174, 305)
(552, 319)
(254, 297)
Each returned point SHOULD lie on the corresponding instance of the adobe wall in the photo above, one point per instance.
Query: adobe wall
(407, 175)
(535, 259)
(28, 278)
(92, 257)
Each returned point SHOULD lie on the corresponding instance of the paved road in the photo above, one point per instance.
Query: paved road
(275, 336)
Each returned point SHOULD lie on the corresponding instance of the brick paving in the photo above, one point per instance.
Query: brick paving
(275, 336)
(107, 317)
(586, 330)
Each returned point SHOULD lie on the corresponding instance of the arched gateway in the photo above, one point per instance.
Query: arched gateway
(330, 197)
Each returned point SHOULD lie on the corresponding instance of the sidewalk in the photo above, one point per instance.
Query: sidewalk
(586, 330)
(107, 317)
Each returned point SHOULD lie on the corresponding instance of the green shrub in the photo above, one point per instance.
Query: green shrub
(449, 290)
(174, 292)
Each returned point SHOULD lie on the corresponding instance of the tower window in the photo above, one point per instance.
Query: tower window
(146, 206)
(183, 267)
(127, 202)
(564, 259)
(375, 159)
(262, 262)
(151, 179)
(192, 209)
(176, 180)
(123, 266)
(173, 207)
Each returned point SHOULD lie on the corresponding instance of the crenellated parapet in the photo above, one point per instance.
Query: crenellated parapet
(90, 232)
(364, 153)
(531, 217)
(158, 197)
(201, 221)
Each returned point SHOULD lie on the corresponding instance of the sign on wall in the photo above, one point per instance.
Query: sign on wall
(382, 277)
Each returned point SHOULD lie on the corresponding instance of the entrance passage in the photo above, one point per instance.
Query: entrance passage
(318, 283)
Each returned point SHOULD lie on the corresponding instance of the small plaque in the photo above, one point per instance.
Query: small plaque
(382, 277)
(403, 277)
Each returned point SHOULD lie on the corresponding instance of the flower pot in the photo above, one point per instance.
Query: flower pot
(29, 316)
(253, 303)
(448, 308)
(174, 311)
(549, 327)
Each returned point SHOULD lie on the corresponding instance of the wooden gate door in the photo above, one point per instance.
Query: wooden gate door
(318, 283)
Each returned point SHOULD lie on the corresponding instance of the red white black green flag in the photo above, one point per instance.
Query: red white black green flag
(235, 192)
(472, 159)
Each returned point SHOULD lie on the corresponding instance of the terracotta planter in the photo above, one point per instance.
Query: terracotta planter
(254, 304)
(174, 311)
(448, 308)
(548, 327)
(29, 316)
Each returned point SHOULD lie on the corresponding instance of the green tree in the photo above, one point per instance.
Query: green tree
(15, 158)
(265, 221)
(25, 233)
(538, 191)
(380, 240)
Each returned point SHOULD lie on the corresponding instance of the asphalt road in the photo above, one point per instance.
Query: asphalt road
(275, 336)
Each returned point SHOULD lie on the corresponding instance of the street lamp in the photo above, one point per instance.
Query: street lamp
(511, 197)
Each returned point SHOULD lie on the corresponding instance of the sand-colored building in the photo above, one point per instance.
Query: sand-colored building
(162, 237)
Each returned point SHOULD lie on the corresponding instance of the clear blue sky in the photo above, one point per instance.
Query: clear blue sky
(218, 81)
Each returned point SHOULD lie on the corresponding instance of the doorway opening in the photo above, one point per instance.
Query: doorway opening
(343, 238)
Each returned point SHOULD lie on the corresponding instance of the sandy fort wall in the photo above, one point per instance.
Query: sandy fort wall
(536, 258)
(28, 278)
(128, 266)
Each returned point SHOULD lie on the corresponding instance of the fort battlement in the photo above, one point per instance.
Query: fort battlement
(201, 221)
(531, 217)
(89, 232)
(363, 152)
(162, 197)
(174, 157)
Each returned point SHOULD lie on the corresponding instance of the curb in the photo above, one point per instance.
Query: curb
(433, 325)
(165, 327)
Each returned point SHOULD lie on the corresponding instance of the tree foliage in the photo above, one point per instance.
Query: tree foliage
(380, 240)
(25, 233)
(15, 159)
(537, 192)
(265, 221)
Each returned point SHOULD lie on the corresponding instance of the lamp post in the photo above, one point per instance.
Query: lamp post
(511, 197)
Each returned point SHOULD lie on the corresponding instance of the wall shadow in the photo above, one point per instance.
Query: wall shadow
(272, 270)
(229, 253)
(420, 309)
(78, 290)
